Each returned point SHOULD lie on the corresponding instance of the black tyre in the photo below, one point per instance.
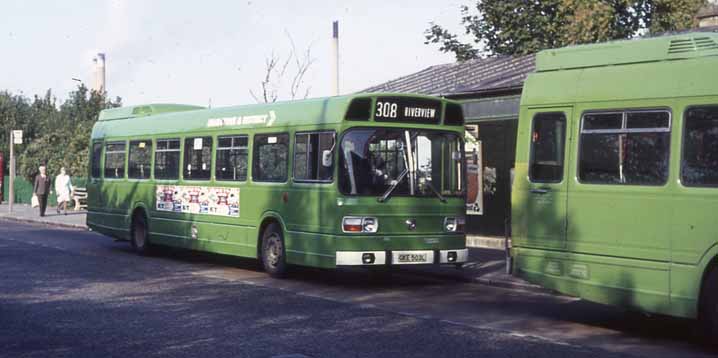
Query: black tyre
(273, 253)
(140, 242)
(709, 308)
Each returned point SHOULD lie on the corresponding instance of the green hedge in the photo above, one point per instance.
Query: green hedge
(23, 190)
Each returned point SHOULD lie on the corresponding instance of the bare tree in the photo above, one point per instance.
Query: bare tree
(275, 72)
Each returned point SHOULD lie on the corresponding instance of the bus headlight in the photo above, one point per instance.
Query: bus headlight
(360, 224)
(369, 225)
(453, 224)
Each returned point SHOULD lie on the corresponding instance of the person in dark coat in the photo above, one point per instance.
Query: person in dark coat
(42, 188)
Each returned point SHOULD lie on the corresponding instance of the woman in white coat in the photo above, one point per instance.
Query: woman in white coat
(63, 188)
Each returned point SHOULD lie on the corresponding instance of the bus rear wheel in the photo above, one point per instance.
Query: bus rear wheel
(709, 307)
(139, 241)
(273, 253)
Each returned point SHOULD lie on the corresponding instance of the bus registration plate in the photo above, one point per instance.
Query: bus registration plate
(420, 257)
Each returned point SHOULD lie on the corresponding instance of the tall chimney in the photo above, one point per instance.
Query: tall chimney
(99, 81)
(335, 58)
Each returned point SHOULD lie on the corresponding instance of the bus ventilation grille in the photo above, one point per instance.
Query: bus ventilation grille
(694, 44)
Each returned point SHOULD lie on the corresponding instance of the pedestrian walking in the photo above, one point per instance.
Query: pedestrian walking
(42, 188)
(63, 189)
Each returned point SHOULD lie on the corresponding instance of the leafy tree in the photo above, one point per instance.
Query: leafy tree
(674, 15)
(518, 27)
(55, 135)
(14, 114)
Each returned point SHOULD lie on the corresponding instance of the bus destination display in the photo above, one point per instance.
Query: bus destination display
(403, 109)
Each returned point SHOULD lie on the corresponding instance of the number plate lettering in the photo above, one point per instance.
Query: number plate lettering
(412, 258)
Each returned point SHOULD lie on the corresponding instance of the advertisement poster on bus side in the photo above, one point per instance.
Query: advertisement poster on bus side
(198, 200)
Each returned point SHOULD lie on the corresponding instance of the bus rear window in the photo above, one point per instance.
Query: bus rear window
(699, 165)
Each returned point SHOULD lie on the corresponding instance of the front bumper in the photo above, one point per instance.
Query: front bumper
(399, 257)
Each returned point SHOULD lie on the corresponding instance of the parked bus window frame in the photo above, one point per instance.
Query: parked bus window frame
(136, 145)
(256, 147)
(96, 167)
(190, 152)
(684, 142)
(623, 132)
(232, 148)
(315, 177)
(562, 151)
(157, 152)
(123, 152)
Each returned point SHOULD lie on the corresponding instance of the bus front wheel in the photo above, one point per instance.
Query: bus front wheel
(139, 235)
(273, 253)
(709, 307)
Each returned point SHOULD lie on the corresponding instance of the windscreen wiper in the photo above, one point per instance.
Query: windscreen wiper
(393, 186)
(405, 155)
(431, 186)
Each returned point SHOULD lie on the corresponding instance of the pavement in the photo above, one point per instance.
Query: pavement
(28, 214)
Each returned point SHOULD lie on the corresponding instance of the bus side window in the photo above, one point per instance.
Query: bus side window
(115, 160)
(140, 159)
(96, 170)
(626, 147)
(699, 164)
(167, 156)
(309, 150)
(197, 158)
(548, 137)
(270, 157)
(231, 161)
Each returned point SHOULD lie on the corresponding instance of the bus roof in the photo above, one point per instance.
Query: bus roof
(663, 67)
(143, 110)
(154, 119)
(664, 48)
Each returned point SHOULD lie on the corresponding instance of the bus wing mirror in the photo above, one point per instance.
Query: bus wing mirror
(327, 158)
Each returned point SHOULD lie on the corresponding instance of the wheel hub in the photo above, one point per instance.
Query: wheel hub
(274, 250)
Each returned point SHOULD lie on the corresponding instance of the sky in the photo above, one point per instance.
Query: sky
(202, 52)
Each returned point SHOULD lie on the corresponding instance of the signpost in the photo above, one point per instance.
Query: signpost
(15, 138)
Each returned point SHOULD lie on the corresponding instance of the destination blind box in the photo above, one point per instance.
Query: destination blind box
(405, 109)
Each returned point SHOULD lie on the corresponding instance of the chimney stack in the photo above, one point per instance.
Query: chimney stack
(98, 84)
(335, 59)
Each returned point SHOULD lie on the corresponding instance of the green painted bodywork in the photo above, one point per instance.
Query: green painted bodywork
(312, 213)
(644, 247)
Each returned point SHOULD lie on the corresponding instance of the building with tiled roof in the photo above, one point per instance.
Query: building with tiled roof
(494, 74)
(708, 16)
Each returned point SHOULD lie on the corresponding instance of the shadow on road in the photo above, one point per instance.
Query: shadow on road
(535, 312)
(109, 267)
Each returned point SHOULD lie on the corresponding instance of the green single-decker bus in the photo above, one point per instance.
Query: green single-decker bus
(371, 180)
(615, 191)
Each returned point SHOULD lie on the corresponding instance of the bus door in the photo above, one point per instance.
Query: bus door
(545, 198)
